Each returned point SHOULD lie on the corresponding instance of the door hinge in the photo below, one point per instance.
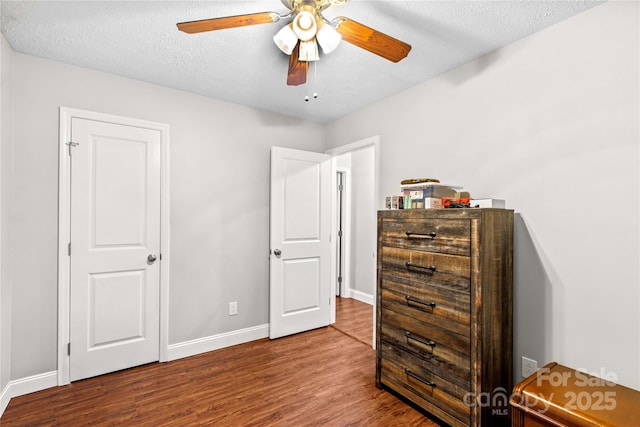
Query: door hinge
(339, 279)
(69, 248)
(339, 233)
(69, 349)
(340, 188)
(71, 144)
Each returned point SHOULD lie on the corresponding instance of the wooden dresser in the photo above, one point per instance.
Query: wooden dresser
(558, 396)
(444, 311)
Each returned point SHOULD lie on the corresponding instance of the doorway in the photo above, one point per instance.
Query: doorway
(355, 217)
(113, 244)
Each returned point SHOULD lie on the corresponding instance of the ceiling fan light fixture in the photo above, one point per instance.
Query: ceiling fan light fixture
(305, 26)
(308, 51)
(328, 38)
(286, 39)
(308, 29)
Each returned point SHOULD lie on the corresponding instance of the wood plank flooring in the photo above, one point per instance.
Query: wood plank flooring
(355, 319)
(324, 377)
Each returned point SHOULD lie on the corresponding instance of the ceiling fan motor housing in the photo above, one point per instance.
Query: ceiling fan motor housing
(305, 25)
(311, 28)
(304, 28)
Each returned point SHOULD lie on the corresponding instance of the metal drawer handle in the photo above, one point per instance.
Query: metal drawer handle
(411, 299)
(413, 235)
(431, 268)
(412, 375)
(430, 343)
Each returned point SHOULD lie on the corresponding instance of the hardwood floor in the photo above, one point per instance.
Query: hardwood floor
(324, 377)
(355, 319)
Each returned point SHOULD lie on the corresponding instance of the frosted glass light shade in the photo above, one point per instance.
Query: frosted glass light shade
(328, 38)
(308, 51)
(286, 39)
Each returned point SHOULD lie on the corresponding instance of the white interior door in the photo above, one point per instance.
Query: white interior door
(300, 273)
(115, 244)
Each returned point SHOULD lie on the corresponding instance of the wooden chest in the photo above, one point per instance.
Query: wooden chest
(444, 311)
(563, 397)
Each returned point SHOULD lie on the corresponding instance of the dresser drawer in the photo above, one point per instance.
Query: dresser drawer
(427, 268)
(456, 385)
(426, 339)
(447, 310)
(443, 236)
(403, 371)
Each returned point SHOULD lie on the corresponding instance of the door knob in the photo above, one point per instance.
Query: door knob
(277, 253)
(151, 258)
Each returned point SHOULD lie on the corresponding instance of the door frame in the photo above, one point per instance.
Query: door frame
(64, 228)
(373, 141)
(345, 291)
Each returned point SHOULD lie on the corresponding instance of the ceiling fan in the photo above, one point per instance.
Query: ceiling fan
(309, 28)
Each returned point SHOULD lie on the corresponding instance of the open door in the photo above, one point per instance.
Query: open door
(300, 273)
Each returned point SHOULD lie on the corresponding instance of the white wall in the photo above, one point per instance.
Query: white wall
(219, 200)
(361, 246)
(5, 211)
(551, 124)
(3, 381)
(363, 221)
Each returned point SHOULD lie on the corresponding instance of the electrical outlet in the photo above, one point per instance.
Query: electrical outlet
(529, 366)
(233, 308)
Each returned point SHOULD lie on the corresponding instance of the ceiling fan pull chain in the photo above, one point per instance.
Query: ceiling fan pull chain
(315, 80)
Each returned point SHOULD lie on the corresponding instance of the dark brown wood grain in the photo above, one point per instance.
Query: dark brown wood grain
(319, 378)
(435, 361)
(297, 74)
(471, 284)
(421, 261)
(450, 272)
(414, 307)
(407, 372)
(396, 324)
(449, 408)
(429, 235)
(441, 303)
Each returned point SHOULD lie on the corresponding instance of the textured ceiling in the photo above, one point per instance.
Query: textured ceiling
(139, 39)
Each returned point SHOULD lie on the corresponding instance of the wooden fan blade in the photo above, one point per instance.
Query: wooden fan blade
(228, 22)
(297, 69)
(369, 39)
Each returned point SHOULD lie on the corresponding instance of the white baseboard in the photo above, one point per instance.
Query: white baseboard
(361, 296)
(4, 399)
(27, 385)
(46, 380)
(215, 342)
